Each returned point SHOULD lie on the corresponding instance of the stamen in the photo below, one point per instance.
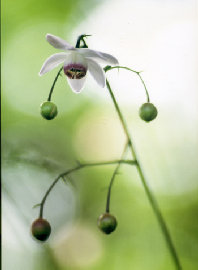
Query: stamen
(75, 71)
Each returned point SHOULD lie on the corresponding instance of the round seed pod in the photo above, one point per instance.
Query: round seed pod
(148, 112)
(107, 223)
(48, 110)
(41, 229)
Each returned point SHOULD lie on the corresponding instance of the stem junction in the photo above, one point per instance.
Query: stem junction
(77, 168)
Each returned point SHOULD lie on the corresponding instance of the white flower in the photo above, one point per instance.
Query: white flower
(76, 63)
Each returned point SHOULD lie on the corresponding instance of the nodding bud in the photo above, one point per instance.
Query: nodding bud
(49, 110)
(148, 112)
(107, 223)
(41, 229)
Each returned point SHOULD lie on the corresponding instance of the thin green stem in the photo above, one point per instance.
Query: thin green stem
(122, 120)
(55, 80)
(113, 178)
(147, 189)
(78, 167)
(134, 71)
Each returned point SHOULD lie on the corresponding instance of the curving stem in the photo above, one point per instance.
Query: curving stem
(77, 168)
(107, 68)
(147, 189)
(113, 178)
(55, 80)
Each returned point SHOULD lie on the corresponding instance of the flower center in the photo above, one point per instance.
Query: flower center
(75, 71)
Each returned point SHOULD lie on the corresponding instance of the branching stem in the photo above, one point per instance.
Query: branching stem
(77, 168)
(147, 189)
(135, 161)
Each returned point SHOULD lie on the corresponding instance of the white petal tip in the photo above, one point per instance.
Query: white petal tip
(102, 85)
(76, 92)
(77, 85)
(115, 62)
(58, 42)
(48, 36)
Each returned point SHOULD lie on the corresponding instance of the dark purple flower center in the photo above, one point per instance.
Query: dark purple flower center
(75, 71)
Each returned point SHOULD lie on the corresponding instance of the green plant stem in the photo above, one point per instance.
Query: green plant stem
(134, 71)
(55, 80)
(113, 178)
(78, 167)
(147, 189)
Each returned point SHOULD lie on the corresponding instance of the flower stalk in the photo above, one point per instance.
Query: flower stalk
(113, 178)
(76, 63)
(147, 189)
(107, 68)
(77, 168)
(53, 85)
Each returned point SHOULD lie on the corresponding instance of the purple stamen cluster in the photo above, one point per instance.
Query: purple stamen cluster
(75, 71)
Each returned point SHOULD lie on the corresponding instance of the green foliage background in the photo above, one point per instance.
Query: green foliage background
(35, 151)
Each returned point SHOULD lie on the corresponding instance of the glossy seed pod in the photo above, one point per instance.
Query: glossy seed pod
(41, 229)
(49, 110)
(148, 112)
(107, 223)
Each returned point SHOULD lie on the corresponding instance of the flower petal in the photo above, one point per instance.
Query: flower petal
(98, 56)
(58, 43)
(97, 72)
(76, 84)
(52, 62)
(75, 57)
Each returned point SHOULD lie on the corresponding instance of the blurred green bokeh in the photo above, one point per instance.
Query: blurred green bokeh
(35, 151)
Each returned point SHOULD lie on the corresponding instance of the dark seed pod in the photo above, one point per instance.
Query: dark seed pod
(107, 223)
(41, 229)
(48, 110)
(148, 112)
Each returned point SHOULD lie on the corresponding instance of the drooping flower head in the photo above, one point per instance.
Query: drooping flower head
(76, 63)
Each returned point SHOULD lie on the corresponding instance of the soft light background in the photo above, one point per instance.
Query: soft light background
(158, 37)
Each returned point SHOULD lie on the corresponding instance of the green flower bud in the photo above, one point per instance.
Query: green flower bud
(41, 229)
(48, 110)
(107, 223)
(148, 112)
